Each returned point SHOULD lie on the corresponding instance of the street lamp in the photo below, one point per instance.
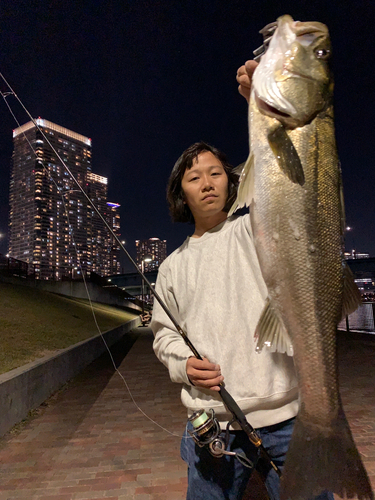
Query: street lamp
(146, 258)
(349, 229)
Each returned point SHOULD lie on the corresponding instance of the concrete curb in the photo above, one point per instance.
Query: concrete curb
(25, 388)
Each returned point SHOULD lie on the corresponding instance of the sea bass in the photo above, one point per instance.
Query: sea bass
(292, 181)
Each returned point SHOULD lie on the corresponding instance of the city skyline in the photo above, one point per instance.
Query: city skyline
(144, 81)
(52, 226)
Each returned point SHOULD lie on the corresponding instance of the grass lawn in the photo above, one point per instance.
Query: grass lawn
(34, 323)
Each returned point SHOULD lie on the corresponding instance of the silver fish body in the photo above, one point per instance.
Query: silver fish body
(292, 181)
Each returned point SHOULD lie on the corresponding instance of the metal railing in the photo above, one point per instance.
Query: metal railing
(13, 267)
(362, 320)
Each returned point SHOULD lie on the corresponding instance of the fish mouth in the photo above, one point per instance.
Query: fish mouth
(269, 110)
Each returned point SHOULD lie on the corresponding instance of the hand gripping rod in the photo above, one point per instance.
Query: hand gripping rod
(229, 402)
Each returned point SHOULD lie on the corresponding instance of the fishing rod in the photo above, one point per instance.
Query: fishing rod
(200, 423)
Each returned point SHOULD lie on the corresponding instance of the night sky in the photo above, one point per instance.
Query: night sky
(145, 79)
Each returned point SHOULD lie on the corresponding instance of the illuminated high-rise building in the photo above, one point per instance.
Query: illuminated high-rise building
(154, 248)
(105, 251)
(112, 265)
(51, 223)
(97, 189)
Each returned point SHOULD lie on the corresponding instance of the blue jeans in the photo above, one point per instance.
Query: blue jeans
(225, 478)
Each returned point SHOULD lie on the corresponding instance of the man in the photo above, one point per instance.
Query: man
(213, 286)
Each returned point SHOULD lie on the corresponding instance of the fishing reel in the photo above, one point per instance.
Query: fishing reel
(206, 430)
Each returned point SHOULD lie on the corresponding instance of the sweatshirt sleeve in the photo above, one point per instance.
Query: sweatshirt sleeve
(168, 345)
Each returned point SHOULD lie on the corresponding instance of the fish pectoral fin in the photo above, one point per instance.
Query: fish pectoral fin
(351, 295)
(286, 154)
(245, 191)
(271, 332)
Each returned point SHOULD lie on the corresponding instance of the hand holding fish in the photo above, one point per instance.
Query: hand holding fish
(244, 78)
(292, 180)
(204, 374)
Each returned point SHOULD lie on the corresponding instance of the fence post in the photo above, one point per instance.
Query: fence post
(347, 323)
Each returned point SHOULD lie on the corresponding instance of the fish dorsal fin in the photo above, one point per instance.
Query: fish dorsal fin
(245, 191)
(271, 332)
(351, 295)
(286, 154)
(238, 170)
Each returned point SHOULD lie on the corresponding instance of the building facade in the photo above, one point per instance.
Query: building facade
(153, 248)
(97, 189)
(51, 225)
(112, 261)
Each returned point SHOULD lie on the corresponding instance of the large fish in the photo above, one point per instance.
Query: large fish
(292, 181)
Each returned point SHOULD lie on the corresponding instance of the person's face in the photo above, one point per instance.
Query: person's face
(205, 186)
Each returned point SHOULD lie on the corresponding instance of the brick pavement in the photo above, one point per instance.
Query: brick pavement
(357, 388)
(90, 442)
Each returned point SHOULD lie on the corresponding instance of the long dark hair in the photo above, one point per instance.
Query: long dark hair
(180, 212)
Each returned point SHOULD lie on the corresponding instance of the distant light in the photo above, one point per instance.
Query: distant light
(114, 205)
(147, 259)
(109, 279)
(348, 228)
(123, 242)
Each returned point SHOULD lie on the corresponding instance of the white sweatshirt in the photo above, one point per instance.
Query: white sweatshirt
(214, 288)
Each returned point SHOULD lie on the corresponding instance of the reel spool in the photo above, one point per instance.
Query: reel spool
(206, 433)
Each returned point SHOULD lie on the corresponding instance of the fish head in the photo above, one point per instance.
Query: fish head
(293, 81)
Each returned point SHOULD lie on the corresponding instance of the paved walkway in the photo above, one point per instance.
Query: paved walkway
(90, 442)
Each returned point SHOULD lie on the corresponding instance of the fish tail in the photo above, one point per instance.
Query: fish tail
(320, 460)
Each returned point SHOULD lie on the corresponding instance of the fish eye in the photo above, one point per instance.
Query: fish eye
(323, 54)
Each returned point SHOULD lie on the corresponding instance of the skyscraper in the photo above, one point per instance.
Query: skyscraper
(112, 247)
(97, 189)
(51, 223)
(154, 248)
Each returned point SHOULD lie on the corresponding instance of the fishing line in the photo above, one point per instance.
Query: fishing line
(229, 402)
(156, 295)
(71, 233)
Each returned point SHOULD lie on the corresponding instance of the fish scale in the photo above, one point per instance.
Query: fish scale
(292, 181)
(309, 287)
